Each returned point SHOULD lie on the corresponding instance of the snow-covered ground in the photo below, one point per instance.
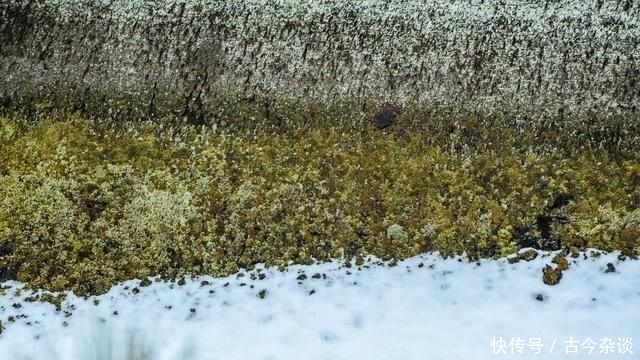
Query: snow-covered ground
(423, 308)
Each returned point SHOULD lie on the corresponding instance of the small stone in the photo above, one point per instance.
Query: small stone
(145, 282)
(539, 297)
(387, 114)
(301, 277)
(551, 276)
(610, 268)
(262, 293)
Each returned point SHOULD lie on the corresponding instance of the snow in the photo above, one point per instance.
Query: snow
(423, 308)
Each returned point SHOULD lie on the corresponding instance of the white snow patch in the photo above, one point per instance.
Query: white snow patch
(423, 308)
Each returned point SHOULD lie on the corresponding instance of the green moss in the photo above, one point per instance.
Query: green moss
(89, 202)
(551, 276)
(561, 262)
(528, 255)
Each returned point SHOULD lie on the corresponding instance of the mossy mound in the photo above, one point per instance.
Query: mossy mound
(87, 202)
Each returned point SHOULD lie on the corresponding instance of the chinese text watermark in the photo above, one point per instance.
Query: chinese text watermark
(584, 346)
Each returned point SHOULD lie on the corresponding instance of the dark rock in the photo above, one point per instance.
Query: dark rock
(610, 269)
(262, 293)
(387, 114)
(539, 297)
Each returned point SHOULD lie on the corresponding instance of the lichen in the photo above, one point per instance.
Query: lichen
(89, 202)
(561, 262)
(551, 276)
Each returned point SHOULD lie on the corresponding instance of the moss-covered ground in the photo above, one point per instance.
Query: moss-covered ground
(86, 201)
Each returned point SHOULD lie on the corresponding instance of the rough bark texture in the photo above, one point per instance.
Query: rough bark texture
(532, 58)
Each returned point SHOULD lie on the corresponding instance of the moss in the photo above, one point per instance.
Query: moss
(89, 202)
(528, 255)
(561, 262)
(551, 276)
(56, 299)
(628, 242)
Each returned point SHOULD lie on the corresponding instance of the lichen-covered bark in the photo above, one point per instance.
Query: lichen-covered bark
(531, 58)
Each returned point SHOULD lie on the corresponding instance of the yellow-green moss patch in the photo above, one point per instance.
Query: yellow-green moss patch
(89, 202)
